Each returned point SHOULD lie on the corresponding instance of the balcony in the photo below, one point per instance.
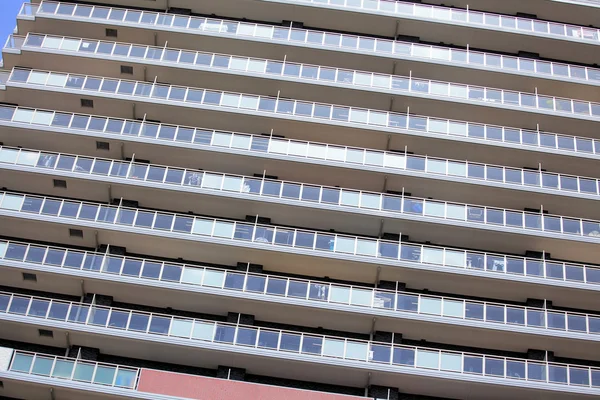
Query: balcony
(280, 249)
(586, 117)
(265, 351)
(390, 18)
(307, 82)
(343, 123)
(582, 12)
(68, 378)
(76, 370)
(305, 302)
(248, 153)
(319, 47)
(297, 204)
(36, 373)
(32, 374)
(339, 117)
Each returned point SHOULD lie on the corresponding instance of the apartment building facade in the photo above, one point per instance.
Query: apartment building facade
(303, 199)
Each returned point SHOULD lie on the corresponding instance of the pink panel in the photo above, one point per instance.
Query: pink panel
(202, 388)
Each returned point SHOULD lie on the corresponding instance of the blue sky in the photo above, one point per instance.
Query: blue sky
(8, 15)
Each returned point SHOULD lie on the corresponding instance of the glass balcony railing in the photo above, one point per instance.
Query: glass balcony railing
(273, 238)
(586, 2)
(299, 110)
(384, 83)
(14, 42)
(272, 342)
(317, 39)
(147, 270)
(4, 75)
(28, 9)
(74, 369)
(260, 145)
(462, 17)
(281, 108)
(309, 195)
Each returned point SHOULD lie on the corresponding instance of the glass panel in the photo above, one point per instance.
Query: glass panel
(361, 297)
(63, 369)
(428, 359)
(494, 313)
(536, 318)
(214, 278)
(104, 375)
(340, 294)
(473, 365)
(556, 320)
(557, 373)
(494, 367)
(451, 362)
(42, 366)
(430, 305)
(192, 275)
(297, 289)
(579, 376)
(515, 369)
(8, 155)
(404, 356)
(312, 345)
(474, 310)
(255, 284)
(98, 316)
(576, 323)
(357, 350)
(246, 336)
(515, 315)
(118, 319)
(160, 325)
(290, 342)
(333, 347)
(21, 363)
(19, 305)
(203, 330)
(181, 328)
(139, 322)
(126, 378)
(435, 209)
(276, 286)
(268, 339)
(453, 308)
(83, 372)
(58, 311)
(345, 244)
(384, 300)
